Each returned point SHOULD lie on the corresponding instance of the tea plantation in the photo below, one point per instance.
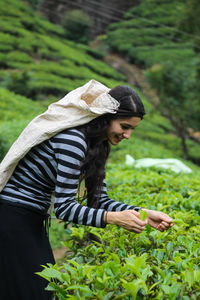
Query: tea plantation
(149, 34)
(113, 263)
(37, 62)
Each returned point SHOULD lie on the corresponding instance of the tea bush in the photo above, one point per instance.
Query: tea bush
(54, 65)
(16, 112)
(117, 264)
(148, 34)
(77, 25)
(17, 107)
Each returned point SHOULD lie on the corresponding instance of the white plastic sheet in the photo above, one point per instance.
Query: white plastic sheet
(166, 163)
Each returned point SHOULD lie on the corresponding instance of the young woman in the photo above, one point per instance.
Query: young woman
(58, 165)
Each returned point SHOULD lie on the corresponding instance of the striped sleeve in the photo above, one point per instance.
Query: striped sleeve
(112, 205)
(70, 149)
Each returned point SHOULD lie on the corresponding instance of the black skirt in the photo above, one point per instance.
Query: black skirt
(24, 247)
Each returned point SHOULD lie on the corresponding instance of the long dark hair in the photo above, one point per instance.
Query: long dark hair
(93, 168)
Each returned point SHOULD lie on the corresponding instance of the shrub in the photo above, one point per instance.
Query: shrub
(147, 29)
(16, 112)
(78, 26)
(35, 4)
(8, 42)
(3, 146)
(18, 56)
(38, 61)
(118, 264)
(16, 81)
(17, 107)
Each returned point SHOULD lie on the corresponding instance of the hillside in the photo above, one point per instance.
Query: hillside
(37, 62)
(148, 34)
(37, 66)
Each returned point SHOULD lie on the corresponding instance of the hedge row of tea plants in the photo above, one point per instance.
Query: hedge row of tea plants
(16, 111)
(113, 263)
(148, 34)
(36, 52)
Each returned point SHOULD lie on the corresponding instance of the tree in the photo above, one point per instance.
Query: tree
(35, 4)
(77, 25)
(190, 23)
(176, 90)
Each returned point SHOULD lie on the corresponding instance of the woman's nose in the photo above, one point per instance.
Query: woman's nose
(127, 134)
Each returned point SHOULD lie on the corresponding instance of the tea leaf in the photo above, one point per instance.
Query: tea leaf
(143, 215)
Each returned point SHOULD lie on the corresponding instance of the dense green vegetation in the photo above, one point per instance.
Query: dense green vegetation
(148, 34)
(178, 102)
(77, 26)
(160, 36)
(37, 62)
(113, 263)
(16, 111)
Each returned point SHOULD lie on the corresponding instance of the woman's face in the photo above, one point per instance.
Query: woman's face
(120, 129)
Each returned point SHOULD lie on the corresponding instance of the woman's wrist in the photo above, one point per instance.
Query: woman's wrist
(111, 217)
(105, 219)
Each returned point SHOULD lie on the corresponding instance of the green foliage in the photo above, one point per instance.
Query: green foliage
(15, 81)
(143, 215)
(16, 113)
(176, 88)
(148, 34)
(191, 24)
(7, 43)
(143, 55)
(190, 17)
(35, 4)
(108, 263)
(9, 131)
(14, 106)
(57, 233)
(77, 25)
(36, 59)
(117, 264)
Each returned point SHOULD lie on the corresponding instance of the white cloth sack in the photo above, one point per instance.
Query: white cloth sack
(166, 163)
(78, 107)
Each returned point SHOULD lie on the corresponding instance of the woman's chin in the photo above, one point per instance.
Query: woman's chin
(114, 142)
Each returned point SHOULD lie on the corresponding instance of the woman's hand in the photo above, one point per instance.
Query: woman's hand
(158, 220)
(128, 219)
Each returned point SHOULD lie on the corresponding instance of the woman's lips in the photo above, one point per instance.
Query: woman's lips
(118, 138)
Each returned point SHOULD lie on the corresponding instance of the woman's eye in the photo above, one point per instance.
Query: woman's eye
(125, 127)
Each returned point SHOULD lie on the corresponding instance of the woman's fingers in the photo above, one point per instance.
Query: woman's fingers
(136, 223)
(134, 229)
(158, 216)
(129, 219)
(164, 226)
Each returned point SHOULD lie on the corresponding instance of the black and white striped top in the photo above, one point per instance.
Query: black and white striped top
(53, 166)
